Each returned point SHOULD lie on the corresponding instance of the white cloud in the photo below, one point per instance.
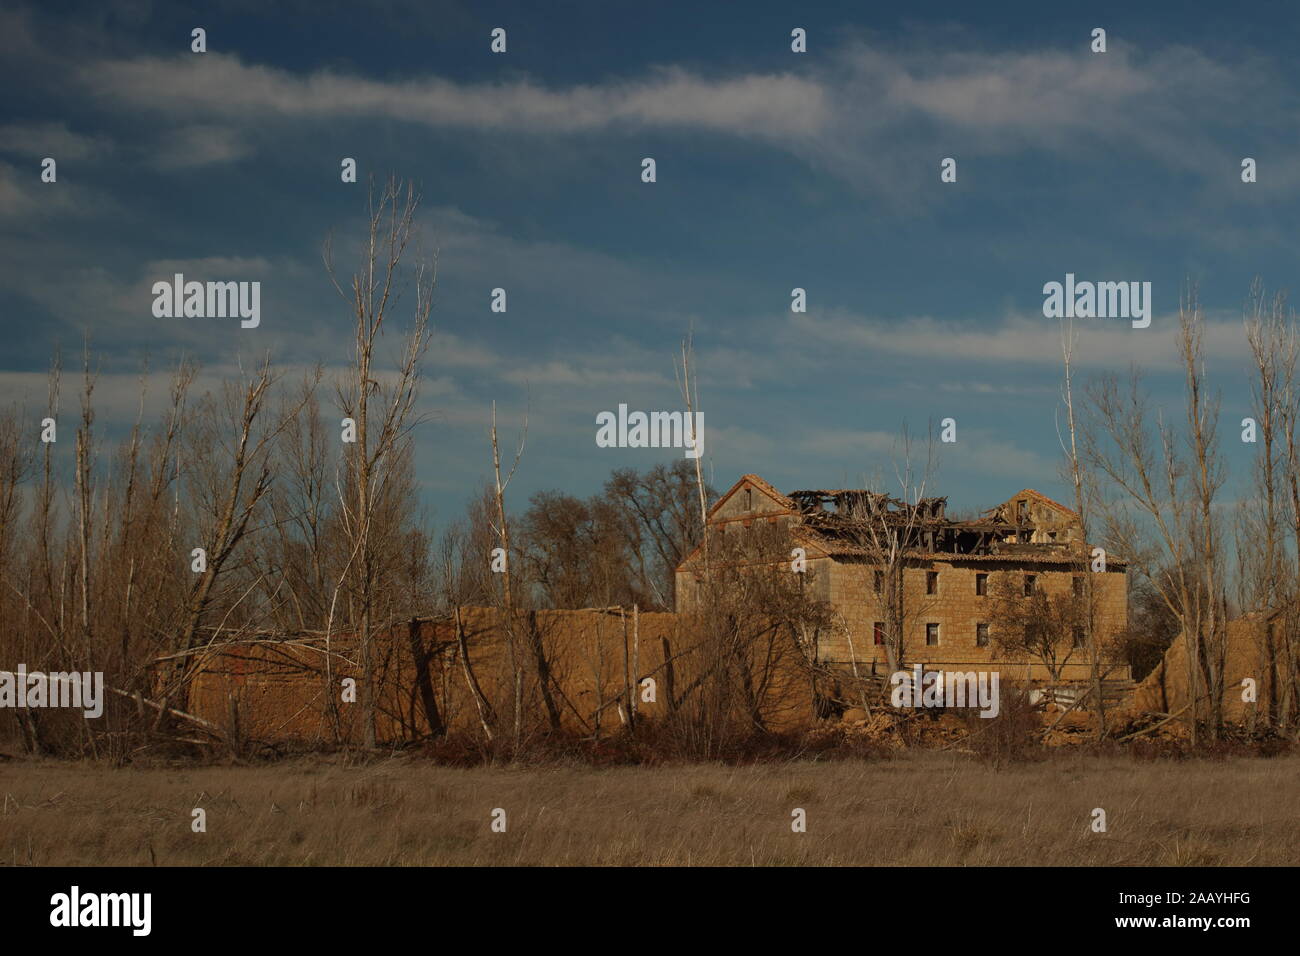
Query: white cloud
(876, 458)
(1166, 103)
(1017, 340)
(222, 85)
(38, 140)
(200, 145)
(448, 350)
(210, 267)
(863, 112)
(24, 199)
(595, 371)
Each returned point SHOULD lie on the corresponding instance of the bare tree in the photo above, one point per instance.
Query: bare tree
(688, 383)
(1080, 484)
(1162, 512)
(454, 587)
(661, 521)
(381, 406)
(1036, 625)
(749, 614)
(85, 493)
(1268, 517)
(228, 480)
(501, 526)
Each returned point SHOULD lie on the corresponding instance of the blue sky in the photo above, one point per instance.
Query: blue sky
(775, 170)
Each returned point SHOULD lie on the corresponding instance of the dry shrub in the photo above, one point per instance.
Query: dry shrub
(1235, 742)
(1011, 736)
(1159, 748)
(653, 744)
(1274, 746)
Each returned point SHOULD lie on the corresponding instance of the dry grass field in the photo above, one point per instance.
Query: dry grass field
(923, 808)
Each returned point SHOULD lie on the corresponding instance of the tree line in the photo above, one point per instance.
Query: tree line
(289, 506)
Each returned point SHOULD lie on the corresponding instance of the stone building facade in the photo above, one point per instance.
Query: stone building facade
(947, 574)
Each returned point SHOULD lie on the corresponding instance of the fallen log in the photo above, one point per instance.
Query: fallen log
(172, 711)
(1147, 730)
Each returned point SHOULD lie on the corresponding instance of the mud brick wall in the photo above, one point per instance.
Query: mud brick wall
(1164, 690)
(281, 690)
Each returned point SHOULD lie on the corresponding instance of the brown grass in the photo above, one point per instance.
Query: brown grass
(921, 808)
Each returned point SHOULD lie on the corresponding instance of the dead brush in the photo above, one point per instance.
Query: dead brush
(1010, 737)
(965, 833)
(1159, 748)
(798, 795)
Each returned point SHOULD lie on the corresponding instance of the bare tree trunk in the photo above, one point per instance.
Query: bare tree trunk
(231, 525)
(485, 715)
(379, 436)
(508, 608)
(636, 661)
(1176, 491)
(1091, 638)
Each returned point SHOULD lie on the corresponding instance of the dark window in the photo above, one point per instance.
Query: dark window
(981, 584)
(878, 581)
(1078, 637)
(879, 630)
(1022, 510)
(981, 635)
(931, 582)
(931, 635)
(749, 499)
(1078, 587)
(1029, 584)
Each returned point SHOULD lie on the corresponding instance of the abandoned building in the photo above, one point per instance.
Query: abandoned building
(947, 568)
(281, 690)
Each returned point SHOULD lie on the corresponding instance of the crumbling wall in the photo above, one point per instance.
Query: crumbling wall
(1165, 689)
(1051, 522)
(280, 690)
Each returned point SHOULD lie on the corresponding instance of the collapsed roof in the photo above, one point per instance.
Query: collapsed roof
(860, 521)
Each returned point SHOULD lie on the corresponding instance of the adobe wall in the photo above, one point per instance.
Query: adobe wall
(1164, 690)
(280, 691)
